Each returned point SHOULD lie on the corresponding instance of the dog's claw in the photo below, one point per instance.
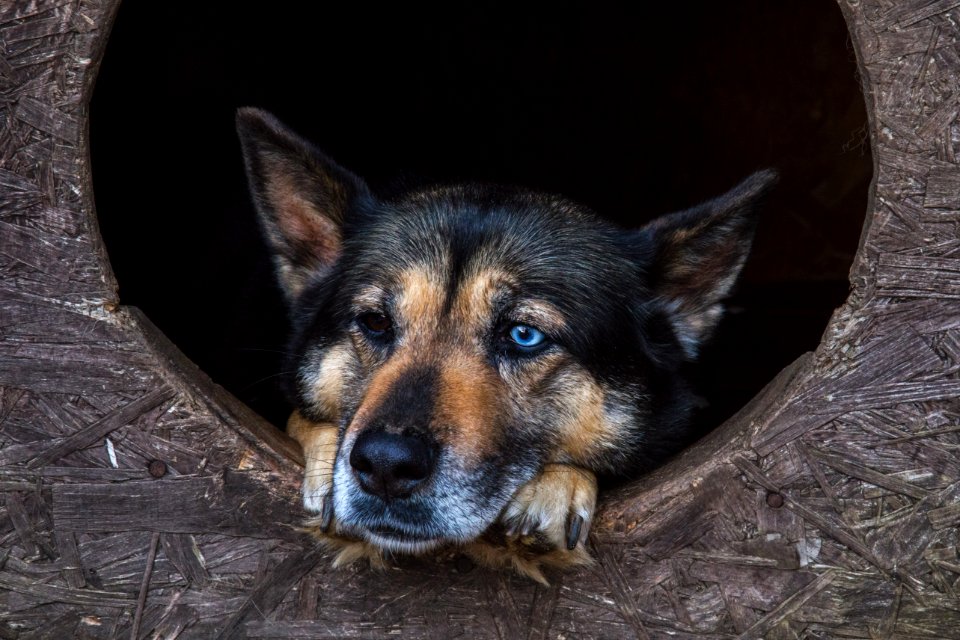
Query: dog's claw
(574, 525)
(552, 512)
(326, 514)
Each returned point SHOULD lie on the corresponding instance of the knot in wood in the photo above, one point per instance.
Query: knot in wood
(774, 500)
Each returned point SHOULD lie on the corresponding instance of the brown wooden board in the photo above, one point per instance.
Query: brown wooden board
(828, 508)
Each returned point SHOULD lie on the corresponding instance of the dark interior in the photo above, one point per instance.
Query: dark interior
(634, 112)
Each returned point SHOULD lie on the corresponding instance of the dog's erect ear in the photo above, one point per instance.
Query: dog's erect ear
(697, 255)
(301, 195)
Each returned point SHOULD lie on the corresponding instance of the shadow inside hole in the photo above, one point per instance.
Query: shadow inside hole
(634, 116)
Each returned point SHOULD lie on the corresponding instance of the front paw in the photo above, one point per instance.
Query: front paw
(319, 442)
(545, 524)
(554, 510)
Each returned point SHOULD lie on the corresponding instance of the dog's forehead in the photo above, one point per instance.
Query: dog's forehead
(471, 219)
(463, 230)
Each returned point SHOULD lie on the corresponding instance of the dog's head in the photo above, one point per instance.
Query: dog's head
(462, 337)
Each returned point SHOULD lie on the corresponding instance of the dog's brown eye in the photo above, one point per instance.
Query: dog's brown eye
(376, 323)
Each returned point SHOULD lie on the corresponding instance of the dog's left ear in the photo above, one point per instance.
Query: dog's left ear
(697, 255)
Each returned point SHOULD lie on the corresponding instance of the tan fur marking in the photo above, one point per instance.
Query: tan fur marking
(420, 302)
(380, 386)
(368, 299)
(468, 401)
(473, 307)
(586, 430)
(327, 387)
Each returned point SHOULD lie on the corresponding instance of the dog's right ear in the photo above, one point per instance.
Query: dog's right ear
(301, 195)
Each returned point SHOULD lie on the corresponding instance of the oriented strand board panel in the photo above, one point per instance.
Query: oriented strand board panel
(141, 500)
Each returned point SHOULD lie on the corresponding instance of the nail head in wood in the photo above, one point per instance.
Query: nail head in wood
(157, 468)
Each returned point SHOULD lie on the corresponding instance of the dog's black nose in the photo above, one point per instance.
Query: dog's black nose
(390, 465)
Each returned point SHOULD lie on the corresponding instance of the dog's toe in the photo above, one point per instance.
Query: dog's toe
(545, 524)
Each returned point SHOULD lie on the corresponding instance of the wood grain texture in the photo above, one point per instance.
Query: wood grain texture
(829, 507)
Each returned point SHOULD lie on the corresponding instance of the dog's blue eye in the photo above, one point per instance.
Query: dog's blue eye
(526, 336)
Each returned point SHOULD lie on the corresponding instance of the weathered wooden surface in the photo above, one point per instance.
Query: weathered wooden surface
(139, 500)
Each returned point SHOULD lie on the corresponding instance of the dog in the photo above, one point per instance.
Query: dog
(469, 359)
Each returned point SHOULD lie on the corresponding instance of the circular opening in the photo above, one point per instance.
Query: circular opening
(633, 115)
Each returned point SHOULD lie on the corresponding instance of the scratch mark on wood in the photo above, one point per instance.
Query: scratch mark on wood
(144, 586)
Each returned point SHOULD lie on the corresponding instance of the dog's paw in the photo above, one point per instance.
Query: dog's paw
(554, 509)
(319, 442)
(545, 524)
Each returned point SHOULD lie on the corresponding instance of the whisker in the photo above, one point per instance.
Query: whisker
(265, 350)
(265, 378)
